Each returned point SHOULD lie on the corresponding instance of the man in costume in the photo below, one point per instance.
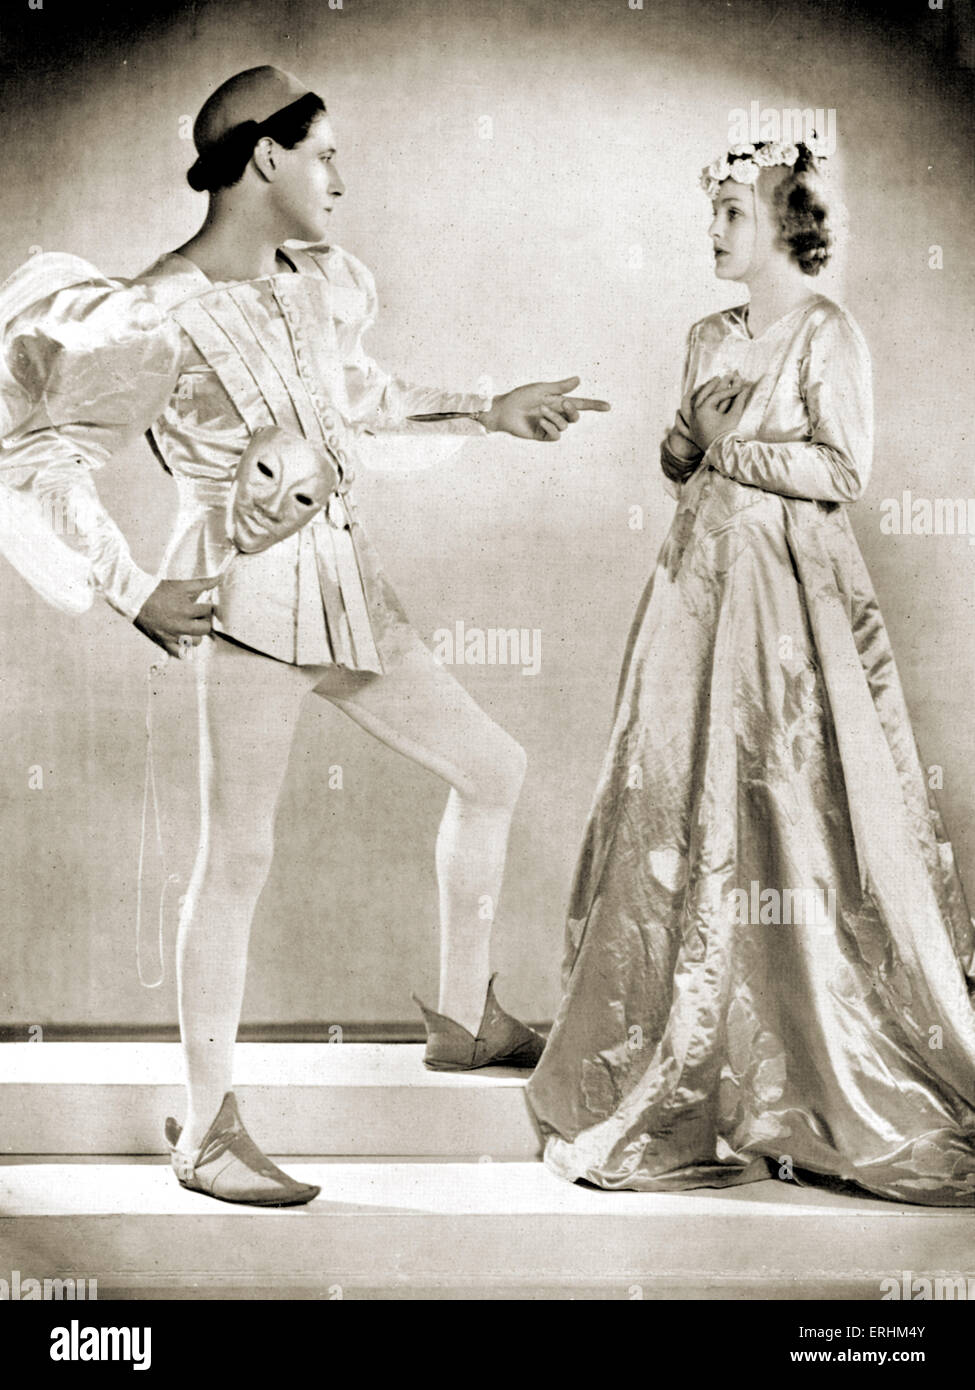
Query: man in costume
(244, 361)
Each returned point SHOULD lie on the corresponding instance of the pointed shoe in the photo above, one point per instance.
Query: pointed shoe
(501, 1041)
(229, 1166)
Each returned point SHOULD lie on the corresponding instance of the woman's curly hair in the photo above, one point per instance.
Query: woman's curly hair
(803, 209)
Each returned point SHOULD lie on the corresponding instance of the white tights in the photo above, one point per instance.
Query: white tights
(248, 708)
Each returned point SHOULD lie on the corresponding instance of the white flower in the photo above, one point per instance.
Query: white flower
(776, 153)
(714, 175)
(743, 163)
(745, 171)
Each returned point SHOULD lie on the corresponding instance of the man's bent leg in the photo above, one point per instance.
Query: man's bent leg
(421, 711)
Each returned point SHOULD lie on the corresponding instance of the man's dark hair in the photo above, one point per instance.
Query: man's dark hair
(223, 163)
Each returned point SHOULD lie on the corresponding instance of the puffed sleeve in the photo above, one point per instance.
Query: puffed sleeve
(833, 464)
(679, 455)
(86, 365)
(378, 400)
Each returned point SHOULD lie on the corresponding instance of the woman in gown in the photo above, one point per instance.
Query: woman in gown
(247, 366)
(769, 958)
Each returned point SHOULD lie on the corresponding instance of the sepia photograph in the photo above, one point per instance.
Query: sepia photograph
(487, 596)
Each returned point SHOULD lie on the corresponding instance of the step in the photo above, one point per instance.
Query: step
(295, 1098)
(448, 1229)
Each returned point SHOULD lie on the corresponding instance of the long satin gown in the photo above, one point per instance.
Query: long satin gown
(769, 957)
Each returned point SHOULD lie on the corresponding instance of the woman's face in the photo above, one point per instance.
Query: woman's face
(307, 183)
(743, 232)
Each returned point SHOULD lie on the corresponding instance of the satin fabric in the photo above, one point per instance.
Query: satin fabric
(89, 363)
(713, 1030)
(86, 363)
(269, 348)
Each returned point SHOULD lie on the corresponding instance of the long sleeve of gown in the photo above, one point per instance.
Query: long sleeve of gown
(379, 400)
(833, 463)
(86, 365)
(679, 455)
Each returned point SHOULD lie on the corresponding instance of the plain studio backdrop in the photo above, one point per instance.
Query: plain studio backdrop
(522, 180)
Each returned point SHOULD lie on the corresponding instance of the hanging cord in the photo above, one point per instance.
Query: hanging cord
(149, 794)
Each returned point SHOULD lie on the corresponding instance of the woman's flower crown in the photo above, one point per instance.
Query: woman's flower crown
(744, 163)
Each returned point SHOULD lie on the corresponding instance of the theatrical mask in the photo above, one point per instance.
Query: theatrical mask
(282, 481)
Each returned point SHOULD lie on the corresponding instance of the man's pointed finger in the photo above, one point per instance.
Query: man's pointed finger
(581, 403)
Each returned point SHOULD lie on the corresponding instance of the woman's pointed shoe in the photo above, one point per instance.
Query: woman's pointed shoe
(501, 1041)
(229, 1166)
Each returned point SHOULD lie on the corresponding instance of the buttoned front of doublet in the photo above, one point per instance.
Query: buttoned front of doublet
(269, 354)
(306, 304)
(275, 371)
